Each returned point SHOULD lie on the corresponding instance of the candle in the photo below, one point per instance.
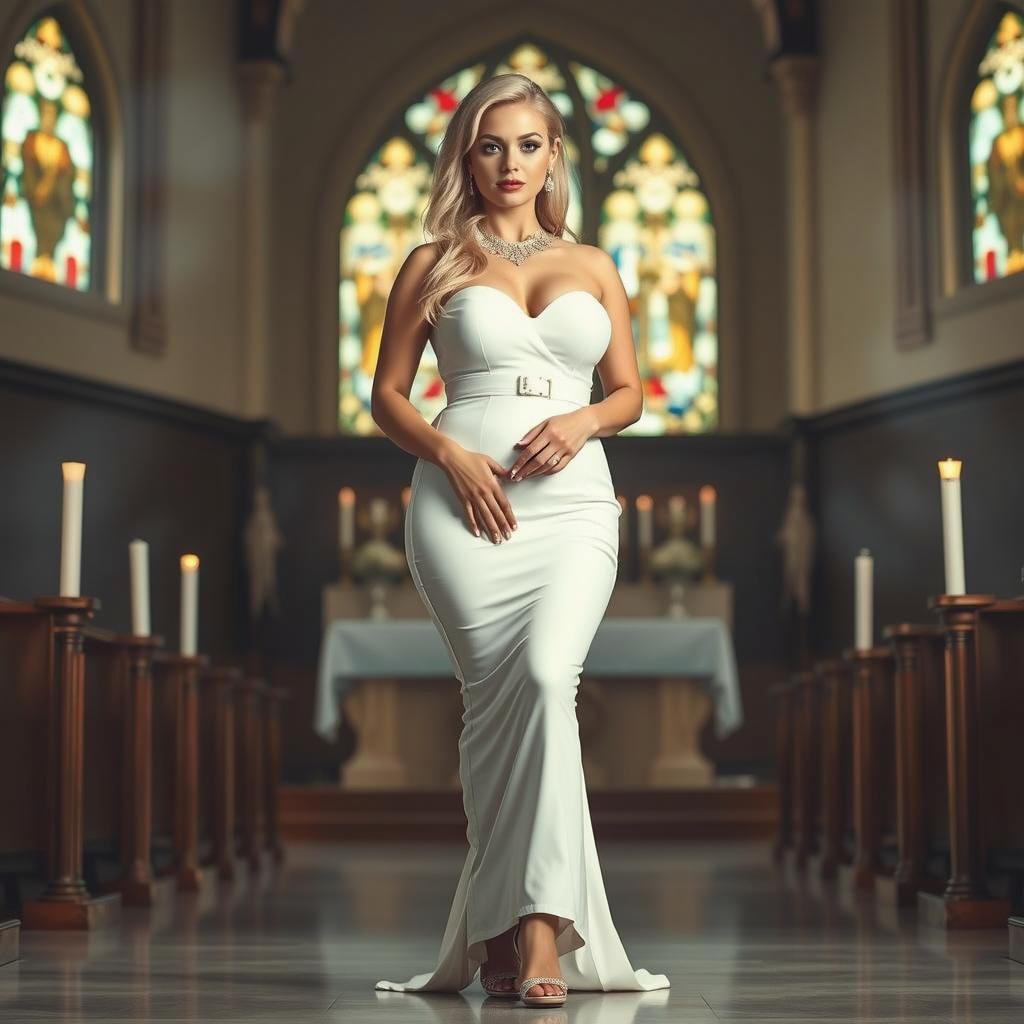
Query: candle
(677, 511)
(406, 495)
(708, 497)
(952, 526)
(189, 603)
(863, 579)
(138, 560)
(347, 518)
(644, 521)
(71, 529)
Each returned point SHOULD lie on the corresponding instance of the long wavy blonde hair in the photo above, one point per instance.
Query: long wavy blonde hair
(451, 211)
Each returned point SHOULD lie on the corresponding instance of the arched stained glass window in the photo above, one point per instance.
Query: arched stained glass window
(641, 201)
(996, 141)
(47, 161)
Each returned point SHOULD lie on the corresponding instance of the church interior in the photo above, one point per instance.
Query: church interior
(229, 732)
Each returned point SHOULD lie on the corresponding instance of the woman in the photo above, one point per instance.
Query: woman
(512, 531)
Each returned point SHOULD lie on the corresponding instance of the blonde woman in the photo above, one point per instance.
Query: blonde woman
(512, 531)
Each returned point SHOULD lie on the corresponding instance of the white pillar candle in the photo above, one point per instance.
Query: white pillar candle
(189, 603)
(952, 526)
(138, 560)
(677, 511)
(708, 499)
(71, 529)
(346, 518)
(863, 628)
(645, 522)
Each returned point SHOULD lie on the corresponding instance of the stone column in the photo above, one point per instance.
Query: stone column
(260, 81)
(797, 77)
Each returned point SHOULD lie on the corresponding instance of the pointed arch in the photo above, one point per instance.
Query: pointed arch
(713, 199)
(62, 162)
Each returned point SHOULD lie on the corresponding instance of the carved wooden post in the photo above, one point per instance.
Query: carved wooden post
(784, 733)
(808, 766)
(186, 774)
(274, 697)
(868, 667)
(831, 674)
(137, 878)
(907, 640)
(966, 902)
(809, 712)
(65, 902)
(251, 748)
(224, 679)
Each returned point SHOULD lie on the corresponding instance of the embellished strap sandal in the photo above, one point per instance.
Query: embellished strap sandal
(487, 980)
(556, 999)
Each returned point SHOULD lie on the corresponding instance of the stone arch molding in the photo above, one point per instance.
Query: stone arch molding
(79, 21)
(430, 61)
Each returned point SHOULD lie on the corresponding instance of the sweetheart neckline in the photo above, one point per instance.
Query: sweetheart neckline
(501, 291)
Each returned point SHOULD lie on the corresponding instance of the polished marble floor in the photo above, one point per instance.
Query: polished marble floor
(738, 940)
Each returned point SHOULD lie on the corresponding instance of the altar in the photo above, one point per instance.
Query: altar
(648, 686)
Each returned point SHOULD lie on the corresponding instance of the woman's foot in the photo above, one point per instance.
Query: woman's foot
(500, 957)
(537, 948)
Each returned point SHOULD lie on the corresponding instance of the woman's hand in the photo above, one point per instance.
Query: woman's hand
(552, 444)
(474, 478)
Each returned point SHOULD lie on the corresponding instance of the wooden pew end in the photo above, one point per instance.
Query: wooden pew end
(85, 914)
(936, 911)
(10, 936)
(1015, 926)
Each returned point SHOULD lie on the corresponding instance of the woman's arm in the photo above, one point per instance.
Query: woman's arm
(623, 401)
(403, 338)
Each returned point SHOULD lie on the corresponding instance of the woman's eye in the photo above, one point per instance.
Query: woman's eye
(534, 146)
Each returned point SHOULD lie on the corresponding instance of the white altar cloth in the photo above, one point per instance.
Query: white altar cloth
(699, 648)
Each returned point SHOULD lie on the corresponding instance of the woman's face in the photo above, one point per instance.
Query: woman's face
(511, 144)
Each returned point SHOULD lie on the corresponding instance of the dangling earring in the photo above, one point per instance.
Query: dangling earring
(549, 183)
(472, 191)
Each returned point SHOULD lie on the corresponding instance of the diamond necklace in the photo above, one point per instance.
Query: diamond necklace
(514, 252)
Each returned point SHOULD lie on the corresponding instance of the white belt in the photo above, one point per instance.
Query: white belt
(508, 382)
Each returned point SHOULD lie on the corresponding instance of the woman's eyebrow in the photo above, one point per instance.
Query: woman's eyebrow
(488, 135)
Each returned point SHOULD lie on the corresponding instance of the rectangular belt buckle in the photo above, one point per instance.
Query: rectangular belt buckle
(532, 385)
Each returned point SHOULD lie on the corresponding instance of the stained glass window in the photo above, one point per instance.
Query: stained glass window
(47, 162)
(641, 201)
(996, 146)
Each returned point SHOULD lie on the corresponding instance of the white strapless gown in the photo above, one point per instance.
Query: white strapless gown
(518, 619)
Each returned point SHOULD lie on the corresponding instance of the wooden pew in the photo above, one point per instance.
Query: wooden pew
(921, 804)
(837, 834)
(41, 746)
(873, 770)
(984, 648)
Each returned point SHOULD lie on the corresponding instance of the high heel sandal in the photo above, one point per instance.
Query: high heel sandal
(499, 993)
(502, 993)
(557, 999)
